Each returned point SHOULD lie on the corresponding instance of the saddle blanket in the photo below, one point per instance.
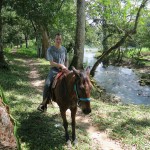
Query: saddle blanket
(56, 79)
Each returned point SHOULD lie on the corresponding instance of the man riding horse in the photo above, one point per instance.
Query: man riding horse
(72, 89)
(57, 55)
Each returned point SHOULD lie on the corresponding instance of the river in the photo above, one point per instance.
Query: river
(121, 81)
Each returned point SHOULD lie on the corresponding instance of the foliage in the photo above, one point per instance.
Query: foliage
(20, 20)
(143, 34)
(64, 22)
(15, 28)
(91, 37)
(116, 16)
(138, 57)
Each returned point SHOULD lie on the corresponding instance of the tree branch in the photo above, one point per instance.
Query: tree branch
(33, 25)
(138, 15)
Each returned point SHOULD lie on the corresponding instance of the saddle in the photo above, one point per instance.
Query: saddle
(56, 79)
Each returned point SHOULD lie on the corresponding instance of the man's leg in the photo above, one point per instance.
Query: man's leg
(46, 92)
(43, 105)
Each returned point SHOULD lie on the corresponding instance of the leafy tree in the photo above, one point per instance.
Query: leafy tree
(65, 23)
(16, 29)
(40, 13)
(128, 28)
(143, 36)
(91, 36)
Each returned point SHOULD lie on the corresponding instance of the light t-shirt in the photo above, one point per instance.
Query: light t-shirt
(57, 55)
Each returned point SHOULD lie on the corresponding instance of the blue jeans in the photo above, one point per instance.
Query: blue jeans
(46, 92)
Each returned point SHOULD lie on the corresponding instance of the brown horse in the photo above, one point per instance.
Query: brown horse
(72, 89)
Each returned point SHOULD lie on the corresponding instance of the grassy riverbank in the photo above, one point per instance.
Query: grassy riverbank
(128, 124)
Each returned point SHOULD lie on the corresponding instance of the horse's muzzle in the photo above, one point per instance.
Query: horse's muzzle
(86, 111)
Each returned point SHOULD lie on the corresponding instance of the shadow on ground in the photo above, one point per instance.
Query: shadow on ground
(41, 132)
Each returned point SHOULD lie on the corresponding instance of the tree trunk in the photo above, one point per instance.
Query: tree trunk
(45, 42)
(77, 61)
(39, 46)
(105, 41)
(37, 39)
(26, 40)
(3, 63)
(20, 43)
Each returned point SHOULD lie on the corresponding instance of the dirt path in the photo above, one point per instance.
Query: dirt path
(34, 76)
(100, 140)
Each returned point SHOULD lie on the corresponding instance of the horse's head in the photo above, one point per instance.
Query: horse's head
(82, 89)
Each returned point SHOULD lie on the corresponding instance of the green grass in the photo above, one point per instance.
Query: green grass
(130, 124)
(144, 52)
(138, 59)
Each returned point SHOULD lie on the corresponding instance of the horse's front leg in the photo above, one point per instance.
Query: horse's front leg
(65, 124)
(73, 115)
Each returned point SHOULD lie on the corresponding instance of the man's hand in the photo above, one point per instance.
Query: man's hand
(59, 66)
(63, 67)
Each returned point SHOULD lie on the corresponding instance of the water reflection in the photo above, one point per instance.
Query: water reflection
(120, 81)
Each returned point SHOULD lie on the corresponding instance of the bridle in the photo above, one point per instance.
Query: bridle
(87, 99)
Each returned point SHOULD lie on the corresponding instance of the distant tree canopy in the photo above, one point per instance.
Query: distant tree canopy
(37, 19)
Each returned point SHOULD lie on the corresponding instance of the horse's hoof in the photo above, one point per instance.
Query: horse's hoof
(75, 142)
(68, 143)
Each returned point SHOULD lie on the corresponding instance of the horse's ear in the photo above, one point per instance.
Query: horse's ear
(75, 71)
(88, 70)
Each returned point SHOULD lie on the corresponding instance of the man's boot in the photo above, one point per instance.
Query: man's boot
(43, 106)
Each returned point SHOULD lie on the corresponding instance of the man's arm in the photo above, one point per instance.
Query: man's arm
(59, 66)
